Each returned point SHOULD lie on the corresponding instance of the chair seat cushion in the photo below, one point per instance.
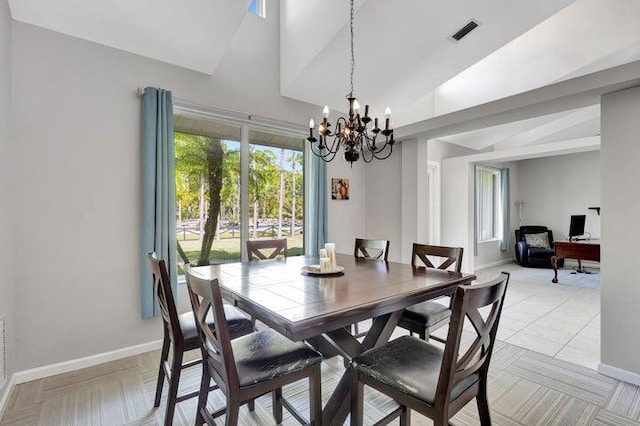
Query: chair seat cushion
(426, 314)
(538, 252)
(410, 365)
(239, 325)
(266, 355)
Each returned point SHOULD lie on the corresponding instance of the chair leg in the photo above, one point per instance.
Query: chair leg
(176, 367)
(405, 416)
(232, 413)
(163, 357)
(483, 404)
(251, 405)
(357, 396)
(315, 397)
(276, 402)
(205, 381)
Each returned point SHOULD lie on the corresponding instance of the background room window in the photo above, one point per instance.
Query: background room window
(257, 8)
(213, 220)
(488, 214)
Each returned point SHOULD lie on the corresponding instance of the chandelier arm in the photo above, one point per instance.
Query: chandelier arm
(326, 157)
(379, 157)
(330, 150)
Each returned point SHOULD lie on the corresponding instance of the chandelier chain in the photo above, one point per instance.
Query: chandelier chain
(353, 61)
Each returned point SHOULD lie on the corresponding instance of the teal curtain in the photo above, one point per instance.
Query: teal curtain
(158, 192)
(506, 212)
(316, 233)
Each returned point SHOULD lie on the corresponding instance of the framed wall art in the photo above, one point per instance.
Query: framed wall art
(339, 189)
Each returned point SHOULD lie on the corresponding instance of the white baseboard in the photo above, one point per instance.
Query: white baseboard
(619, 373)
(4, 399)
(89, 361)
(489, 265)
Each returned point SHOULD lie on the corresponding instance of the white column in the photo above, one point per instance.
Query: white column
(620, 281)
(414, 195)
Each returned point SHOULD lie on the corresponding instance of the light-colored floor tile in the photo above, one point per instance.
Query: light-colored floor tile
(573, 317)
(537, 344)
(586, 343)
(565, 317)
(590, 331)
(504, 333)
(547, 333)
(579, 357)
(559, 324)
(513, 324)
(526, 316)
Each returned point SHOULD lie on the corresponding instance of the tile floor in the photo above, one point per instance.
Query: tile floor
(560, 320)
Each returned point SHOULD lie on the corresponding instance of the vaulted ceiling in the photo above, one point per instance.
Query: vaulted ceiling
(404, 56)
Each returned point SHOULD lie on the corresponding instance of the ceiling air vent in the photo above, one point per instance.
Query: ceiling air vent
(472, 25)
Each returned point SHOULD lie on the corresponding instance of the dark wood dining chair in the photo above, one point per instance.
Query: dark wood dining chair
(430, 315)
(180, 335)
(371, 249)
(258, 249)
(436, 382)
(250, 366)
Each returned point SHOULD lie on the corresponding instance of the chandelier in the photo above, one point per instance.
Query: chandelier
(352, 133)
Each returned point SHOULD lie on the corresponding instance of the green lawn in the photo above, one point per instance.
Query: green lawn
(229, 248)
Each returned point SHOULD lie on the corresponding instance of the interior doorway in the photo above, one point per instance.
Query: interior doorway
(433, 200)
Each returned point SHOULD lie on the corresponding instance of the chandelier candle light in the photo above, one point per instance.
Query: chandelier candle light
(352, 133)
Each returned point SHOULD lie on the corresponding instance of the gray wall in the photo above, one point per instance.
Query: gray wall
(554, 188)
(6, 248)
(383, 202)
(620, 294)
(76, 131)
(384, 189)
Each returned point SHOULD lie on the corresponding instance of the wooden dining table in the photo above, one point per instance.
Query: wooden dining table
(320, 308)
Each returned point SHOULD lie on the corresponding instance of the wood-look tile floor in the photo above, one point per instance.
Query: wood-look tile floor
(526, 388)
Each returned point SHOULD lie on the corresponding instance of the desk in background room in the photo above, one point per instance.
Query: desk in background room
(580, 250)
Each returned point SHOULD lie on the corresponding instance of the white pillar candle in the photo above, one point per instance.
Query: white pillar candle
(325, 264)
(323, 253)
(331, 254)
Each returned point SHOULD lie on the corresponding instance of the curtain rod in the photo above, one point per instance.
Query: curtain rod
(196, 108)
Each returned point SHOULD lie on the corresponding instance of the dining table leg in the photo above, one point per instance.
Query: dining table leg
(337, 408)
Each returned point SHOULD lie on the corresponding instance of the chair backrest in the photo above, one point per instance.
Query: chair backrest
(217, 354)
(371, 249)
(255, 248)
(162, 289)
(447, 255)
(533, 229)
(468, 302)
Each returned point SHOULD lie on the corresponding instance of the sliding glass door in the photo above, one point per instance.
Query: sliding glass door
(233, 183)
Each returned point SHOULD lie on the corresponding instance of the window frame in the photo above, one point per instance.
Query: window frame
(246, 123)
(495, 207)
(260, 8)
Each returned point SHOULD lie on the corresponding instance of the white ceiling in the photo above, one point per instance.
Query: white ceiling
(404, 58)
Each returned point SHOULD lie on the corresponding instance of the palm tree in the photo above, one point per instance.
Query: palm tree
(201, 157)
(259, 176)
